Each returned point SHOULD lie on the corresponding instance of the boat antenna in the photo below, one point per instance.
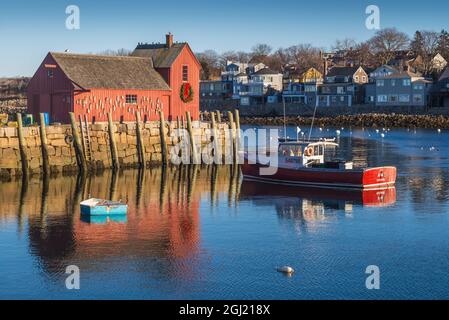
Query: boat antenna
(285, 122)
(313, 120)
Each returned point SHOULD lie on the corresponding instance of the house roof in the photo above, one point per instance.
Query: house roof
(444, 75)
(94, 71)
(241, 74)
(401, 75)
(342, 71)
(265, 71)
(162, 56)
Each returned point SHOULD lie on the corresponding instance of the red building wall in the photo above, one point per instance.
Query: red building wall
(57, 95)
(50, 94)
(97, 103)
(186, 57)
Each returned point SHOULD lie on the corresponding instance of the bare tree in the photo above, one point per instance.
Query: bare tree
(346, 44)
(430, 40)
(386, 42)
(118, 52)
(261, 49)
(306, 56)
(210, 63)
(228, 56)
(243, 56)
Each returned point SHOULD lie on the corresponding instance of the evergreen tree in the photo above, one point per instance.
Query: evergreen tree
(443, 44)
(417, 44)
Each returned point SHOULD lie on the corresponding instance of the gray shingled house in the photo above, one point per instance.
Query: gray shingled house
(343, 86)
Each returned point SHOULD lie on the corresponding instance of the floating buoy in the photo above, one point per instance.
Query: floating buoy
(383, 135)
(338, 132)
(439, 130)
(286, 270)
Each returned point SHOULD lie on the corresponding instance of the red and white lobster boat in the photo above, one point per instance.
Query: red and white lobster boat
(303, 164)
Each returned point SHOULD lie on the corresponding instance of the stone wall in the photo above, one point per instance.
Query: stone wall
(294, 109)
(62, 156)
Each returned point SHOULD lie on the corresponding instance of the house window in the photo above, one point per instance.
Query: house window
(417, 98)
(342, 99)
(406, 82)
(131, 98)
(418, 87)
(380, 83)
(404, 98)
(340, 90)
(382, 98)
(50, 73)
(393, 98)
(393, 83)
(364, 79)
(334, 99)
(185, 73)
(357, 78)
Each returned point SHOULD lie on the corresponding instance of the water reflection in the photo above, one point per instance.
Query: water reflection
(162, 220)
(310, 204)
(204, 226)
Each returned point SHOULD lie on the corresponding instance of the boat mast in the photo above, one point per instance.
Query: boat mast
(313, 120)
(285, 123)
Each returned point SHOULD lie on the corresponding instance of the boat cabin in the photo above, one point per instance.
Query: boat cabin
(310, 154)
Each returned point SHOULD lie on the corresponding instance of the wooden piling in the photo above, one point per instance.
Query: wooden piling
(44, 145)
(140, 146)
(113, 144)
(22, 145)
(192, 139)
(163, 138)
(218, 117)
(80, 159)
(237, 134)
(233, 138)
(216, 143)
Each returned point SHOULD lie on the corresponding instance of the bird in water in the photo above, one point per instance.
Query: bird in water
(286, 269)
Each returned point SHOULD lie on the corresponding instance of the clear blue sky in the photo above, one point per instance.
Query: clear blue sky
(30, 29)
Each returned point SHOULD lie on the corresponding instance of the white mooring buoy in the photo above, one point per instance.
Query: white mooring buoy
(286, 270)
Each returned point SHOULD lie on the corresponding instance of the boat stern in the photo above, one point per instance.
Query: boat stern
(379, 177)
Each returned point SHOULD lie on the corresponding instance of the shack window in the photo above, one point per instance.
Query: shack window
(185, 73)
(50, 73)
(131, 98)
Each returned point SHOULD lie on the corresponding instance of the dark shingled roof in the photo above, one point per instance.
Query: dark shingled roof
(110, 72)
(401, 75)
(162, 56)
(342, 71)
(444, 75)
(265, 71)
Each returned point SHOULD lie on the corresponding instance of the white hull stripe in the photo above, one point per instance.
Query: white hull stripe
(317, 184)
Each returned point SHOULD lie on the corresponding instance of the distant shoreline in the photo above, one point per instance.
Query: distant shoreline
(359, 120)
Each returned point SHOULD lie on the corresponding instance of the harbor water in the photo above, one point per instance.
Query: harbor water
(205, 233)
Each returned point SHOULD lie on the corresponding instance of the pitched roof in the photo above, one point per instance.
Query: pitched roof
(162, 56)
(444, 75)
(265, 71)
(402, 74)
(94, 71)
(342, 71)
